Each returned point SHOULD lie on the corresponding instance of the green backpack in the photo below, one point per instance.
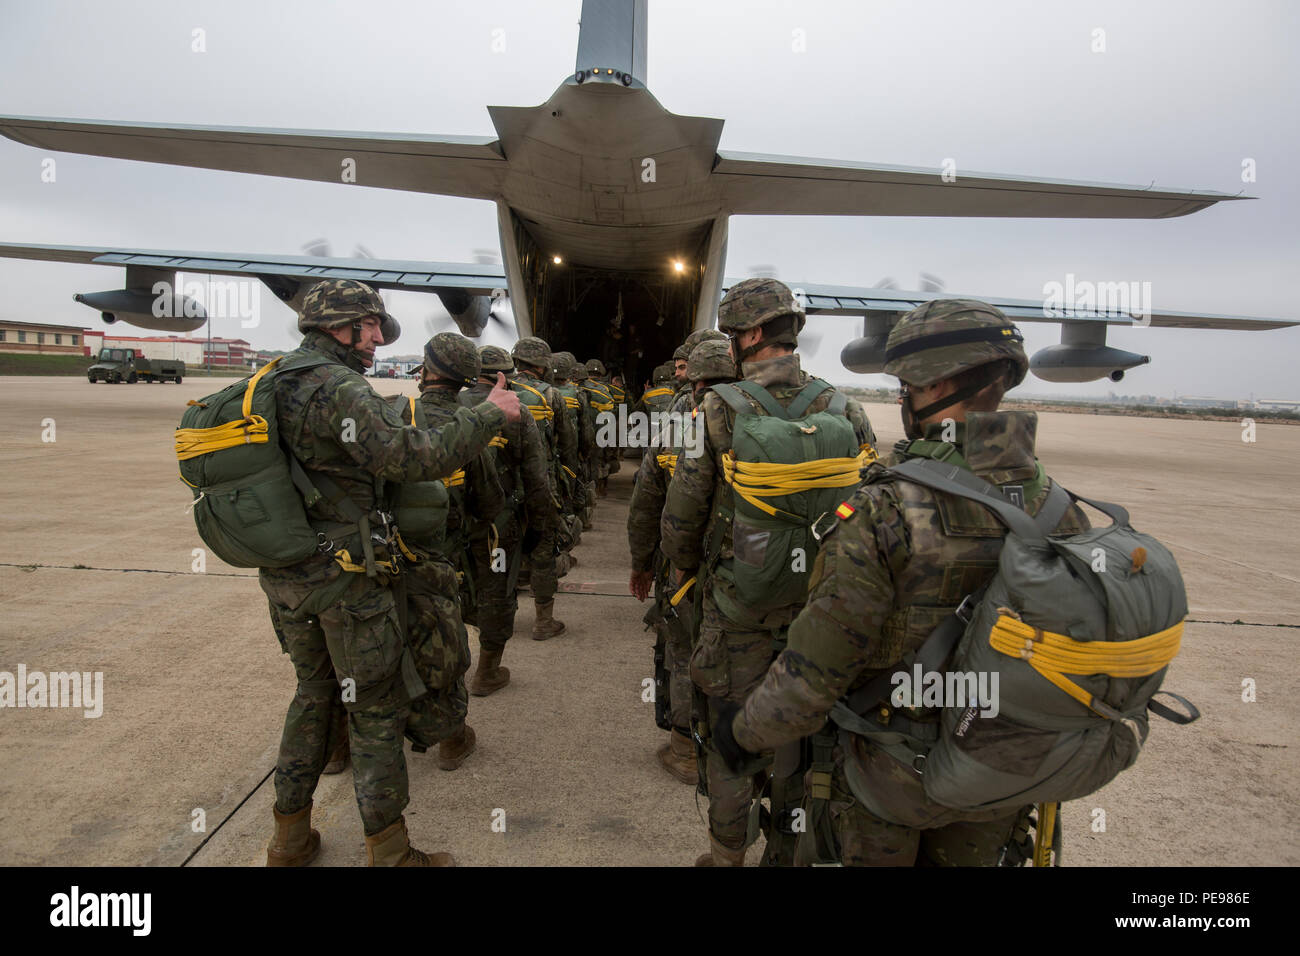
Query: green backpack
(422, 506)
(1078, 630)
(248, 505)
(785, 470)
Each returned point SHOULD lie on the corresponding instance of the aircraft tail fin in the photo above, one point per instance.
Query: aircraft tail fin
(613, 36)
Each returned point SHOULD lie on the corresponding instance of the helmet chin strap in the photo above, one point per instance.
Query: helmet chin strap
(912, 418)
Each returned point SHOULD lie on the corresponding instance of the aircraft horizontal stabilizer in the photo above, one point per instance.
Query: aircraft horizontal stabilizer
(758, 185)
(467, 166)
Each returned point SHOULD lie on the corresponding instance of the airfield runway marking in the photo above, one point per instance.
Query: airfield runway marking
(1169, 543)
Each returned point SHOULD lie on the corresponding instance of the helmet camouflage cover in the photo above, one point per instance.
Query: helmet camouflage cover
(663, 374)
(451, 356)
(709, 360)
(943, 337)
(533, 351)
(334, 303)
(493, 358)
(695, 338)
(562, 364)
(596, 367)
(755, 302)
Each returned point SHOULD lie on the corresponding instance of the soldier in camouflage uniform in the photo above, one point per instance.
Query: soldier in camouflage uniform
(440, 585)
(710, 362)
(499, 543)
(898, 559)
(578, 375)
(602, 399)
(532, 358)
(338, 620)
(580, 415)
(763, 319)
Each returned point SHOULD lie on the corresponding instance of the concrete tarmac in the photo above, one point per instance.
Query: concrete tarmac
(99, 573)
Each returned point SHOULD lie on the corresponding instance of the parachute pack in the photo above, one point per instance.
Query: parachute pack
(784, 470)
(1079, 630)
(248, 501)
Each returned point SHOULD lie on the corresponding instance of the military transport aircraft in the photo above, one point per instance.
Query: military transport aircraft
(613, 216)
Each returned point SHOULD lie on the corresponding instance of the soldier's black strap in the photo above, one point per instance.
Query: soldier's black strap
(1168, 713)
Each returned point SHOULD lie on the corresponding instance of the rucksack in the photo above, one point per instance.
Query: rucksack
(248, 491)
(784, 470)
(422, 507)
(1079, 631)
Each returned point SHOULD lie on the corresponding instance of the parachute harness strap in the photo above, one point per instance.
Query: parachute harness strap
(1055, 655)
(667, 462)
(542, 412)
(681, 592)
(249, 430)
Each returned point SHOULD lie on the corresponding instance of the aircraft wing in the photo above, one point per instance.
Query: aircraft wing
(474, 279)
(468, 166)
(760, 185)
(846, 300)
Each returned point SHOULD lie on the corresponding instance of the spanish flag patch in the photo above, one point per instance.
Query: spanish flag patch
(845, 510)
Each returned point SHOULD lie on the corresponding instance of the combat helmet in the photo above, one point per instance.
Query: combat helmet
(533, 351)
(451, 356)
(944, 337)
(334, 303)
(663, 374)
(695, 338)
(562, 364)
(755, 302)
(493, 358)
(578, 373)
(711, 360)
(595, 368)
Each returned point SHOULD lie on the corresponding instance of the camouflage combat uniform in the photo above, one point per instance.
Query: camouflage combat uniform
(674, 625)
(342, 626)
(560, 442)
(602, 399)
(730, 658)
(521, 468)
(439, 587)
(896, 563)
(578, 410)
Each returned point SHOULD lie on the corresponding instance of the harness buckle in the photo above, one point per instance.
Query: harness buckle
(966, 609)
(918, 764)
(322, 544)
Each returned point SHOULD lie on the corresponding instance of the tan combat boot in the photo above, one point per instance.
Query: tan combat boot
(547, 626)
(392, 847)
(295, 843)
(678, 757)
(721, 855)
(453, 751)
(489, 677)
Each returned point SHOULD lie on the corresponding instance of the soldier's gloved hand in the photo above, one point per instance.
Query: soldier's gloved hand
(640, 583)
(504, 398)
(724, 739)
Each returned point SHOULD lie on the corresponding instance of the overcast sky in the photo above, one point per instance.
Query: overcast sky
(1184, 92)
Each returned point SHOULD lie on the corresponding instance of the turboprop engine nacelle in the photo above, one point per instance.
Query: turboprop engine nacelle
(1083, 356)
(470, 312)
(866, 355)
(169, 312)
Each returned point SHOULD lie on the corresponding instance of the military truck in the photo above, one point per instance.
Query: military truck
(123, 365)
